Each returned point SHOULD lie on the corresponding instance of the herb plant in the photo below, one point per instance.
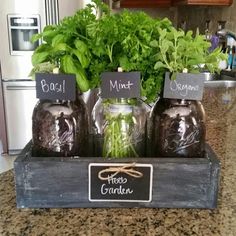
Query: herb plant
(120, 125)
(118, 141)
(87, 46)
(179, 51)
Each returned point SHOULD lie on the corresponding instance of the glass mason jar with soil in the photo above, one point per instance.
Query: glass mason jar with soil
(60, 128)
(119, 127)
(177, 128)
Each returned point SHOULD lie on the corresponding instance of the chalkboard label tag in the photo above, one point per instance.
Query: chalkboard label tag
(120, 182)
(55, 86)
(120, 85)
(186, 86)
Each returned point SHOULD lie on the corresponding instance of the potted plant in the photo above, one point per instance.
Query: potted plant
(177, 126)
(124, 41)
(88, 46)
(60, 127)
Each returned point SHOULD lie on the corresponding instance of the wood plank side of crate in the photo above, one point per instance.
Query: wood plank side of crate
(63, 182)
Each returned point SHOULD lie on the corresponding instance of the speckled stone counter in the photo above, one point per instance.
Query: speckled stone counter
(221, 134)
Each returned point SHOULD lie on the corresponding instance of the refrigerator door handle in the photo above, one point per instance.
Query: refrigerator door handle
(47, 13)
(55, 12)
(52, 15)
(9, 87)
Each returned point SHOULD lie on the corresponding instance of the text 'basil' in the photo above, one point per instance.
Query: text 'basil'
(55, 86)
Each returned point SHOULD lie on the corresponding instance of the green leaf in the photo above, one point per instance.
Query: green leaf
(39, 57)
(177, 34)
(59, 38)
(82, 80)
(159, 64)
(35, 38)
(43, 48)
(49, 28)
(84, 60)
(164, 47)
(154, 44)
(71, 67)
(67, 64)
(61, 47)
(83, 48)
(162, 32)
(48, 35)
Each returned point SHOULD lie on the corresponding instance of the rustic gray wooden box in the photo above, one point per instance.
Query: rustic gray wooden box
(63, 182)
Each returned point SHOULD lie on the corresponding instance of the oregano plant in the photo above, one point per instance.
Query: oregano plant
(178, 51)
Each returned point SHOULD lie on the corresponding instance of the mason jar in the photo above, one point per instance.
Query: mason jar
(119, 127)
(60, 128)
(177, 128)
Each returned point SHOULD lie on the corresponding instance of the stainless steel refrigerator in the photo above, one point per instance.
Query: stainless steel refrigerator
(19, 20)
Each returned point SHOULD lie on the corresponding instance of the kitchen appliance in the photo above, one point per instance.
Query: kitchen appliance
(20, 99)
(21, 29)
(19, 20)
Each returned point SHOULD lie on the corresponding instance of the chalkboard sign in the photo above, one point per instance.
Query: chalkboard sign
(55, 86)
(120, 85)
(120, 182)
(185, 86)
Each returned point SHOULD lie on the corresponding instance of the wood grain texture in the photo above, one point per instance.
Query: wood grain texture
(203, 2)
(144, 4)
(63, 182)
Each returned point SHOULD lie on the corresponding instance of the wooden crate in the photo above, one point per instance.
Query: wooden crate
(64, 183)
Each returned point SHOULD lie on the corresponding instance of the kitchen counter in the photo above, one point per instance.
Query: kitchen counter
(118, 222)
(221, 134)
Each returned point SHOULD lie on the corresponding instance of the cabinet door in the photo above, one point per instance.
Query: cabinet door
(203, 2)
(144, 3)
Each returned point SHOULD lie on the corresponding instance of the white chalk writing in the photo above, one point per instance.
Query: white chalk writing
(183, 89)
(53, 87)
(115, 85)
(111, 187)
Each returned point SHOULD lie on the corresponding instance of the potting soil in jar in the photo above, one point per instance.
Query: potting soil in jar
(177, 128)
(60, 128)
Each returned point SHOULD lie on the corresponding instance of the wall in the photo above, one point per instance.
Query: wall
(196, 16)
(171, 13)
(162, 12)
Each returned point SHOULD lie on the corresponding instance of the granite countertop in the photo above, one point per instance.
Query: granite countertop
(221, 134)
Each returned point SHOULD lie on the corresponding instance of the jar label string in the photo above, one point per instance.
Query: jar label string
(127, 169)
